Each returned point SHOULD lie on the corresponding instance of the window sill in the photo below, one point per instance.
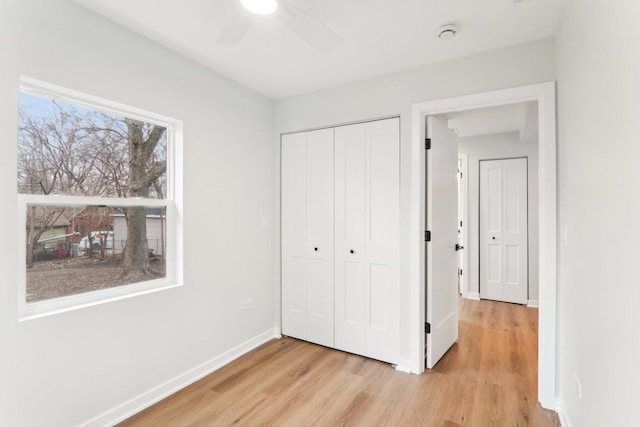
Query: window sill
(45, 308)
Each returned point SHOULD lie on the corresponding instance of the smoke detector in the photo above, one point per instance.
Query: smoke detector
(447, 31)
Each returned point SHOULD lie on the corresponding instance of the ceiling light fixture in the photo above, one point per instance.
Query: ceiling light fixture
(447, 31)
(260, 7)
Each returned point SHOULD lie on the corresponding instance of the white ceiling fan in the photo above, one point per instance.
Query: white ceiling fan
(309, 29)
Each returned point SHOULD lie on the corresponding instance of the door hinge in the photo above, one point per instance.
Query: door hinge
(427, 327)
(427, 143)
(427, 236)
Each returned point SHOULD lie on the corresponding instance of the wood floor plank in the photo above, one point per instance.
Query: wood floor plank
(488, 378)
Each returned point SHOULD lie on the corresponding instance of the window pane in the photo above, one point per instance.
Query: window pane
(72, 250)
(73, 150)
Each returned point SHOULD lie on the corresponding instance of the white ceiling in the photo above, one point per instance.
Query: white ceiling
(378, 36)
(521, 118)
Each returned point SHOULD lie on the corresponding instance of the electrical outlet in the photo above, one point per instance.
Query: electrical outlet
(245, 305)
(578, 385)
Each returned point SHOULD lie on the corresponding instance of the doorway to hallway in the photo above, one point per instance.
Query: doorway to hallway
(544, 96)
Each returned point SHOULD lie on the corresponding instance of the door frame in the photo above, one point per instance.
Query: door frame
(544, 94)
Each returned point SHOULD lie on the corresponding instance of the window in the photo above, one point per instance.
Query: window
(99, 197)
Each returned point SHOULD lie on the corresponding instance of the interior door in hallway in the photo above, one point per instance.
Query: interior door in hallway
(503, 230)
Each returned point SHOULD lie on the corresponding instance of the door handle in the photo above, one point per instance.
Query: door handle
(459, 247)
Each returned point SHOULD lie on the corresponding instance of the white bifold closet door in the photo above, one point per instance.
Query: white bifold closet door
(307, 236)
(367, 194)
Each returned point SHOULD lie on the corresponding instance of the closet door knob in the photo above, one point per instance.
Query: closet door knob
(351, 251)
(315, 249)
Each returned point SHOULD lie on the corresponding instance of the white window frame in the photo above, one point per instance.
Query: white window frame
(173, 204)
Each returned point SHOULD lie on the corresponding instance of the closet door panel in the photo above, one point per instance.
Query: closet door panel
(294, 246)
(350, 280)
(382, 238)
(320, 246)
(367, 215)
(380, 292)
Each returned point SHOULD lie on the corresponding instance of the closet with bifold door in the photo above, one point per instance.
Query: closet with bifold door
(340, 237)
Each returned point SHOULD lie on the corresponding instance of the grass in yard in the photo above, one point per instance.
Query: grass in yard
(70, 276)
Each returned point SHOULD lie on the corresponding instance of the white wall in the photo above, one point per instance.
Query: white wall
(395, 93)
(500, 146)
(599, 207)
(65, 369)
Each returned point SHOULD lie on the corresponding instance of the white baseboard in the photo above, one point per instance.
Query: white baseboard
(404, 365)
(472, 295)
(154, 395)
(533, 303)
(562, 414)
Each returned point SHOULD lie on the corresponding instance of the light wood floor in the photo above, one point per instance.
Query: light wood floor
(488, 378)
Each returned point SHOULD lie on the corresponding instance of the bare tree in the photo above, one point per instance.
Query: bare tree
(44, 167)
(40, 219)
(143, 173)
(78, 152)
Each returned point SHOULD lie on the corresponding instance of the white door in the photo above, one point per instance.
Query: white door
(294, 235)
(367, 239)
(307, 236)
(320, 243)
(503, 230)
(442, 222)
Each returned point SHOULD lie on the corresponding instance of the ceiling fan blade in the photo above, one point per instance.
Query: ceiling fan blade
(235, 30)
(309, 29)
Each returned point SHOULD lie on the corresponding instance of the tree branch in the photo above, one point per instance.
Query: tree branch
(155, 172)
